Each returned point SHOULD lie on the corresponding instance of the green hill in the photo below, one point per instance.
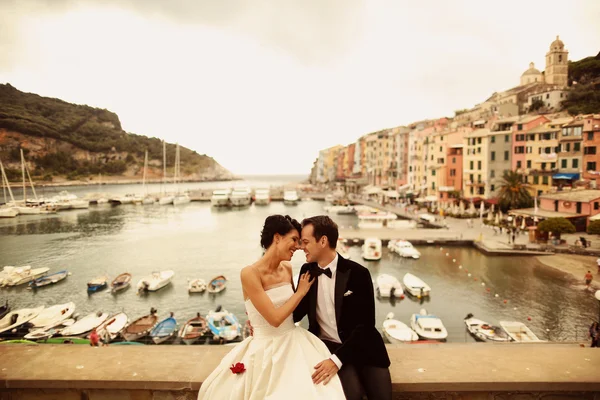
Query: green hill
(584, 96)
(105, 147)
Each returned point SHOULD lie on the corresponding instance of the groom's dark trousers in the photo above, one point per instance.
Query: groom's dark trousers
(364, 358)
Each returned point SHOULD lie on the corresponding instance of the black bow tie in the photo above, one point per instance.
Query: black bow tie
(318, 271)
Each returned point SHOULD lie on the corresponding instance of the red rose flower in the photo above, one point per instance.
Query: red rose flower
(238, 368)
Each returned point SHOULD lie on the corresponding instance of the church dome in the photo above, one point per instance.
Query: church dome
(532, 70)
(557, 44)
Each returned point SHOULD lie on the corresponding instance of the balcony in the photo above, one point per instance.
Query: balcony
(477, 183)
(542, 172)
(545, 157)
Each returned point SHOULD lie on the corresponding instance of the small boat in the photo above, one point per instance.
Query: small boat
(181, 198)
(484, 332)
(49, 279)
(97, 284)
(398, 332)
(197, 286)
(14, 276)
(140, 327)
(164, 330)
(342, 249)
(415, 286)
(428, 326)
(121, 282)
(371, 249)
(193, 329)
(389, 286)
(241, 197)
(290, 197)
(262, 197)
(128, 344)
(223, 324)
(110, 329)
(18, 341)
(519, 332)
(85, 324)
(8, 212)
(217, 284)
(5, 309)
(156, 281)
(65, 340)
(404, 249)
(14, 319)
(53, 315)
(48, 331)
(220, 198)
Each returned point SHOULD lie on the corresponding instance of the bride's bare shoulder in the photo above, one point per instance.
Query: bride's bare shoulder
(287, 265)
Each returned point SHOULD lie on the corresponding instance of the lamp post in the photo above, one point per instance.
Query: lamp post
(597, 295)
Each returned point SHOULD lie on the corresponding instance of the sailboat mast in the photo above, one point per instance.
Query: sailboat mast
(24, 186)
(164, 180)
(145, 167)
(31, 182)
(5, 179)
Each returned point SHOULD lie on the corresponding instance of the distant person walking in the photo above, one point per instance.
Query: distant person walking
(598, 263)
(588, 279)
(594, 334)
(94, 338)
(513, 237)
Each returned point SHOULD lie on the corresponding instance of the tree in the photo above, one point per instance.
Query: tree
(557, 226)
(514, 193)
(594, 228)
(536, 105)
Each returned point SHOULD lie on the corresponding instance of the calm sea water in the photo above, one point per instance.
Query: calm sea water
(197, 241)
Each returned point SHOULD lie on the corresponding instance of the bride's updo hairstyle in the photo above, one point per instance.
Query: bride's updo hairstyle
(277, 224)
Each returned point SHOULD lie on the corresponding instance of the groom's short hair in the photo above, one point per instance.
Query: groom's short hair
(323, 226)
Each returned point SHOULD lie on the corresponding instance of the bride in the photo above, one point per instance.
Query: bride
(277, 362)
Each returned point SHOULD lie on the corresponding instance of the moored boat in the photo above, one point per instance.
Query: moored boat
(519, 332)
(156, 281)
(110, 329)
(404, 249)
(49, 279)
(53, 315)
(140, 327)
(389, 286)
(85, 324)
(164, 330)
(5, 309)
(15, 319)
(371, 249)
(193, 329)
(196, 286)
(223, 324)
(484, 332)
(48, 331)
(217, 284)
(121, 282)
(15, 276)
(97, 284)
(428, 326)
(64, 340)
(398, 332)
(415, 286)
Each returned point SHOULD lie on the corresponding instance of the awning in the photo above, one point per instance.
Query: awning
(391, 193)
(595, 217)
(431, 198)
(404, 187)
(565, 176)
(371, 189)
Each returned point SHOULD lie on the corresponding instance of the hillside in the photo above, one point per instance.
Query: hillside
(64, 140)
(584, 78)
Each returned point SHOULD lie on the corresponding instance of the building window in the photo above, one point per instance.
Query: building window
(433, 172)
(471, 189)
(492, 174)
(479, 165)
(536, 180)
(576, 146)
(563, 163)
(589, 150)
(493, 139)
(590, 136)
(493, 155)
(478, 140)
(519, 138)
(520, 127)
(543, 166)
(544, 180)
(452, 172)
(596, 205)
(591, 166)
(575, 163)
(472, 163)
(568, 147)
(453, 160)
(552, 165)
(440, 149)
(433, 185)
(506, 138)
(528, 163)
(506, 155)
(518, 164)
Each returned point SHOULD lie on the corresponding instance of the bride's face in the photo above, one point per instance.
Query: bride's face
(288, 244)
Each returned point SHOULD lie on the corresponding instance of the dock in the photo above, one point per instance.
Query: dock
(399, 212)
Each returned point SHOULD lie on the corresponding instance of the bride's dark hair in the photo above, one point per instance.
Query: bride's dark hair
(277, 224)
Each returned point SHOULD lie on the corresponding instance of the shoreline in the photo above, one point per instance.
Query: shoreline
(114, 182)
(573, 266)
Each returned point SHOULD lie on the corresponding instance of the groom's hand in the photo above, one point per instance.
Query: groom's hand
(324, 371)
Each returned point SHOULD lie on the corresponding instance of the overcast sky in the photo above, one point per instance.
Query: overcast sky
(261, 86)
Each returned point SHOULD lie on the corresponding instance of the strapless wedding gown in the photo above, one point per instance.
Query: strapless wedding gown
(279, 362)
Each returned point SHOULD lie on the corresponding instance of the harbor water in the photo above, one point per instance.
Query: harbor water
(199, 241)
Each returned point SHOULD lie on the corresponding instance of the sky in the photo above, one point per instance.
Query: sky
(262, 86)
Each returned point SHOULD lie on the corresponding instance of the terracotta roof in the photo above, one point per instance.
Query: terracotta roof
(574, 195)
(544, 128)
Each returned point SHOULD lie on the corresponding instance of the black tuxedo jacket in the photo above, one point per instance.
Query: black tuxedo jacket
(354, 301)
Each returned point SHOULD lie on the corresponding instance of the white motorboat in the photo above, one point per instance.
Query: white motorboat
(85, 324)
(377, 216)
(14, 276)
(398, 332)
(181, 198)
(223, 324)
(8, 212)
(519, 332)
(48, 331)
(165, 200)
(342, 249)
(290, 197)
(241, 197)
(155, 281)
(371, 249)
(389, 286)
(17, 318)
(220, 198)
(404, 249)
(112, 326)
(415, 286)
(428, 326)
(341, 210)
(197, 286)
(262, 197)
(53, 315)
(484, 332)
(129, 198)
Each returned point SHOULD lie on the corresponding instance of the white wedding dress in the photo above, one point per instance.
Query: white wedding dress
(279, 362)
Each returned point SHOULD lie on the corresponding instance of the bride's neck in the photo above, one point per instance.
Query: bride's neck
(271, 260)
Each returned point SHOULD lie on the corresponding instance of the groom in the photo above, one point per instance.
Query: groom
(341, 311)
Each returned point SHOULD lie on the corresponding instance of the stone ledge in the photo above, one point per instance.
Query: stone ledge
(423, 368)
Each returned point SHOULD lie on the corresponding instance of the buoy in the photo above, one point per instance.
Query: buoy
(447, 254)
(482, 283)
(528, 318)
(401, 296)
(474, 279)
(469, 275)
(466, 270)
(488, 289)
(505, 301)
(454, 260)
(515, 308)
(496, 295)
(460, 267)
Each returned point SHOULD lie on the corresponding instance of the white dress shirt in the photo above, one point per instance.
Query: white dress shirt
(326, 308)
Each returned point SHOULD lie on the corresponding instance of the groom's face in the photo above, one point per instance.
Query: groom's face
(308, 243)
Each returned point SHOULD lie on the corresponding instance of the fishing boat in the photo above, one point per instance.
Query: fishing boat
(120, 283)
(53, 315)
(110, 329)
(16, 318)
(389, 286)
(5, 309)
(217, 284)
(127, 344)
(197, 286)
(15, 276)
(48, 331)
(19, 341)
(97, 284)
(404, 249)
(85, 324)
(371, 249)
(8, 212)
(398, 332)
(290, 197)
(156, 281)
(49, 279)
(223, 324)
(415, 286)
(484, 332)
(519, 332)
(65, 340)
(140, 327)
(428, 326)
(164, 330)
(193, 329)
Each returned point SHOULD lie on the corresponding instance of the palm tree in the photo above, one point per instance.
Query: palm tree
(514, 193)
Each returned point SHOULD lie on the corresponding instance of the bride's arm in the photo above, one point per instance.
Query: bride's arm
(263, 304)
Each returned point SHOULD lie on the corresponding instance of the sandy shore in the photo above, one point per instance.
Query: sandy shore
(575, 265)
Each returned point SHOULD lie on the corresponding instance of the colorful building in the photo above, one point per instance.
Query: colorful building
(591, 149)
